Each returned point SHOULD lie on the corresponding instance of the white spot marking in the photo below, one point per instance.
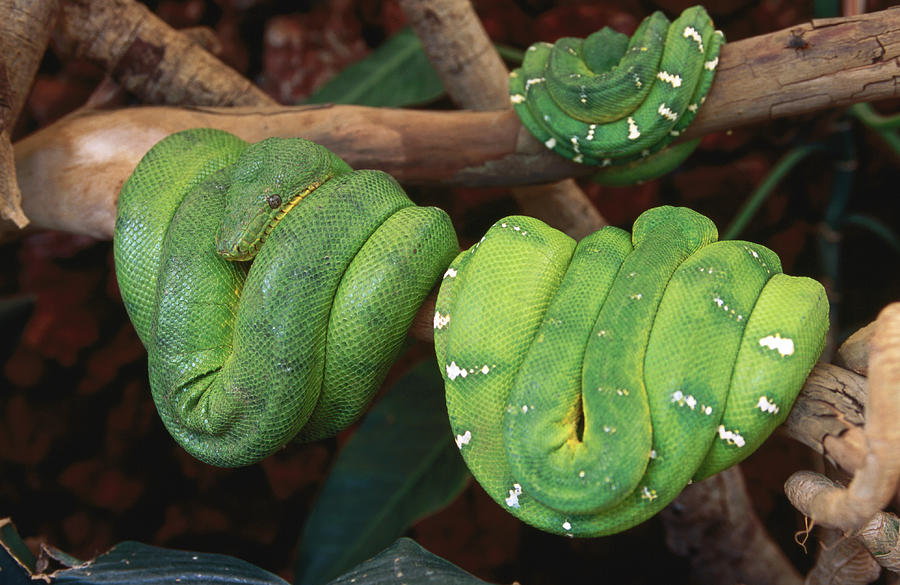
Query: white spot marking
(707, 410)
(666, 77)
(485, 369)
(451, 272)
(666, 113)
(516, 98)
(784, 345)
(608, 429)
(691, 33)
(513, 500)
(636, 296)
(653, 454)
(711, 65)
(633, 132)
(574, 141)
(533, 81)
(551, 143)
(579, 158)
(524, 408)
(581, 474)
(590, 134)
(681, 399)
(463, 439)
(648, 494)
(732, 437)
(453, 371)
(692, 108)
(567, 525)
(440, 321)
(766, 405)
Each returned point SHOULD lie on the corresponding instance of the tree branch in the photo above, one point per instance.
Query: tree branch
(70, 172)
(149, 58)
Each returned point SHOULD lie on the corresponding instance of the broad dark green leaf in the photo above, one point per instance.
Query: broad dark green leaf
(16, 561)
(133, 563)
(406, 562)
(396, 74)
(399, 466)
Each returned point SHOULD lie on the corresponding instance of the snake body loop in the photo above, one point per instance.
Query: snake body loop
(614, 102)
(588, 384)
(243, 360)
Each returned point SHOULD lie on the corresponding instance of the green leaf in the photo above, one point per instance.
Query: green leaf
(406, 562)
(16, 561)
(133, 563)
(397, 74)
(399, 466)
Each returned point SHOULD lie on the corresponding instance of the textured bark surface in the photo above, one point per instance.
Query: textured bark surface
(149, 58)
(714, 525)
(24, 34)
(461, 148)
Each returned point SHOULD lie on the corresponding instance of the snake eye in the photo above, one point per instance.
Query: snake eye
(274, 201)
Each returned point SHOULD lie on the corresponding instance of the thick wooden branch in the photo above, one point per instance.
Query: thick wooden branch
(70, 172)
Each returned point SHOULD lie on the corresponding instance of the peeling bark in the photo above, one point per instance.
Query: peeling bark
(875, 481)
(843, 561)
(149, 58)
(24, 34)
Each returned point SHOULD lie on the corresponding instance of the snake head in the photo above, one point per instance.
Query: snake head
(268, 180)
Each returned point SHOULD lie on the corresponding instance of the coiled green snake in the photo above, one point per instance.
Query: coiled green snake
(586, 384)
(616, 102)
(243, 361)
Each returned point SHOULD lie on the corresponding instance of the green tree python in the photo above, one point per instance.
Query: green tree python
(616, 102)
(243, 361)
(586, 383)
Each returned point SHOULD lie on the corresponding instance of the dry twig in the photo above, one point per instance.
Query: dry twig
(875, 482)
(24, 34)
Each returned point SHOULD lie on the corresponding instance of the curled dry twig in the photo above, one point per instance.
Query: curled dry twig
(24, 35)
(855, 509)
(875, 481)
(842, 561)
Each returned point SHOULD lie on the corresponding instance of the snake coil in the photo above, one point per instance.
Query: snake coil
(587, 385)
(610, 101)
(243, 360)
